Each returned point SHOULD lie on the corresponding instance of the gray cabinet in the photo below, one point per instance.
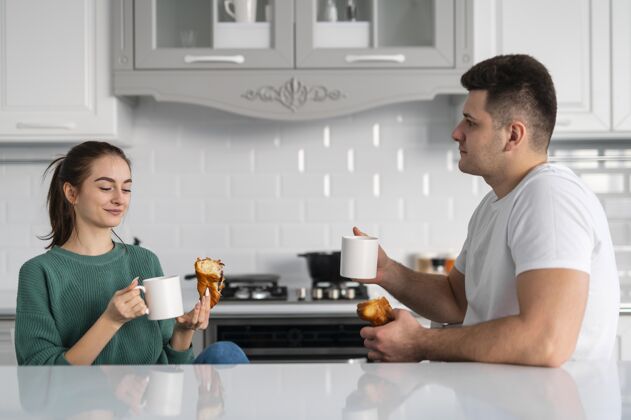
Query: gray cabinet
(286, 60)
(199, 34)
(378, 34)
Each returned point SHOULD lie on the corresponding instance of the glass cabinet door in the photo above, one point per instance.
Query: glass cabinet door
(375, 33)
(194, 34)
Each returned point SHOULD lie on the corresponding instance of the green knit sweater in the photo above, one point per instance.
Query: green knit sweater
(61, 295)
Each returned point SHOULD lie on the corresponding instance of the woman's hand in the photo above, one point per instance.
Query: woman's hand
(196, 319)
(125, 305)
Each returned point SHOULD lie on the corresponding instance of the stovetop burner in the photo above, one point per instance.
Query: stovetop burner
(264, 287)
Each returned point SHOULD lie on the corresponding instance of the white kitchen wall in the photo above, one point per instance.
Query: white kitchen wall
(256, 193)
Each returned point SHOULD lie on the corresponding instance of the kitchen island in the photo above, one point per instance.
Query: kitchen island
(318, 391)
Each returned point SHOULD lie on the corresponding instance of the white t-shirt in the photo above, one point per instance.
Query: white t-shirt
(549, 220)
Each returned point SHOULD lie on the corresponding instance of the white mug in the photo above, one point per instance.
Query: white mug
(163, 296)
(241, 10)
(359, 257)
(163, 396)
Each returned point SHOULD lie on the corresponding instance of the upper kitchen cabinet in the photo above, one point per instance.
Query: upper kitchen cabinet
(573, 38)
(55, 71)
(375, 33)
(291, 59)
(621, 64)
(198, 34)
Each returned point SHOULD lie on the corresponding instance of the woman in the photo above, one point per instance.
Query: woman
(75, 303)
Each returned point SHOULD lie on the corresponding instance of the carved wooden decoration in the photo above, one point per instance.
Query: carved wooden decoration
(293, 94)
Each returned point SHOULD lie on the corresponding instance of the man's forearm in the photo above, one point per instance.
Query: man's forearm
(429, 295)
(504, 340)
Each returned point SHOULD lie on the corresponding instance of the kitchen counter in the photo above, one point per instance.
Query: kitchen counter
(229, 309)
(318, 391)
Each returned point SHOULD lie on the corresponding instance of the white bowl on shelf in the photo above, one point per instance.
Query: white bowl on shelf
(242, 35)
(341, 35)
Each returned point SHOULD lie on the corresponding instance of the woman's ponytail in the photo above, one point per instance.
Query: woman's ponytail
(60, 211)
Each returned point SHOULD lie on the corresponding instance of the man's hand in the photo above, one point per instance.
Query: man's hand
(398, 341)
(383, 262)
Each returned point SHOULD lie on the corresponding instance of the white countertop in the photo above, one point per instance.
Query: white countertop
(318, 391)
(224, 309)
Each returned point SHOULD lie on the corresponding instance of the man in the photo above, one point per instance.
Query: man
(536, 280)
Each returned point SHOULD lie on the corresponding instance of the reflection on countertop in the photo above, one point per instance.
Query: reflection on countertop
(310, 391)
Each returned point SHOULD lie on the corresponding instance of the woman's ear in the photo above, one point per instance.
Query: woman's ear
(70, 192)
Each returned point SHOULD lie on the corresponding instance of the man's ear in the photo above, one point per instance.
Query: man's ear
(516, 134)
(70, 192)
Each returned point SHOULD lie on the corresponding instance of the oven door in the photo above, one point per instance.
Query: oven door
(292, 340)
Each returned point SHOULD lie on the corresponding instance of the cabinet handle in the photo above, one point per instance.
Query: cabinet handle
(391, 58)
(238, 59)
(46, 126)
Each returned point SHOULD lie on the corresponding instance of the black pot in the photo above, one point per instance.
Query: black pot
(324, 266)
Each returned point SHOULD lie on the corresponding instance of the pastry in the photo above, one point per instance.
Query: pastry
(376, 311)
(209, 275)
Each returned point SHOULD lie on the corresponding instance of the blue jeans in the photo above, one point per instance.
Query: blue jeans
(222, 353)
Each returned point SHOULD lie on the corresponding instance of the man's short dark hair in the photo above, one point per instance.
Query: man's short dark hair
(517, 85)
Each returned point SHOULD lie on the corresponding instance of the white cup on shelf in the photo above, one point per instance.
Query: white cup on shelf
(243, 11)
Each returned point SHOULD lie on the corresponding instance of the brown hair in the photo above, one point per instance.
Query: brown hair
(73, 168)
(517, 84)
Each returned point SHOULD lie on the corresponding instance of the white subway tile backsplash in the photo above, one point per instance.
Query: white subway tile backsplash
(254, 186)
(352, 185)
(15, 186)
(3, 266)
(15, 234)
(373, 159)
(401, 184)
(620, 233)
(604, 183)
(179, 211)
(301, 185)
(279, 210)
(378, 209)
(207, 235)
(228, 161)
(229, 211)
(169, 160)
(410, 236)
(3, 212)
(328, 210)
(397, 136)
(255, 193)
(255, 236)
(153, 236)
(277, 160)
(154, 186)
(236, 261)
(303, 237)
(208, 185)
(617, 208)
(429, 209)
(326, 160)
(291, 268)
(140, 211)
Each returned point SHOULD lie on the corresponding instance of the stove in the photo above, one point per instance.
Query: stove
(265, 288)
